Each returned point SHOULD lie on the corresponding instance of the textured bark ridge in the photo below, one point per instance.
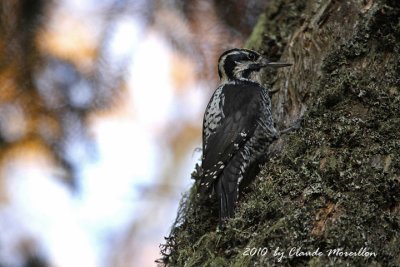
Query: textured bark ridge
(334, 183)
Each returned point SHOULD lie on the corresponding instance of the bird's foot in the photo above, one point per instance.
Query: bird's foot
(295, 126)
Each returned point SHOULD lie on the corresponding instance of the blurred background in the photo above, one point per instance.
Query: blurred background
(101, 106)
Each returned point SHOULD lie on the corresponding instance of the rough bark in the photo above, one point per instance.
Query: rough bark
(334, 183)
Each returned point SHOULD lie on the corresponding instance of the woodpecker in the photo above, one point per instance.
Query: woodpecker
(237, 126)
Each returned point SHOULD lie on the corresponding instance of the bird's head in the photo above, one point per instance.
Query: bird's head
(243, 64)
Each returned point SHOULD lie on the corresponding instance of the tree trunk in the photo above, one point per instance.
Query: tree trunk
(333, 186)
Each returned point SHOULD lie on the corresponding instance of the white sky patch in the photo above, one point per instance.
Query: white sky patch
(194, 102)
(126, 158)
(85, 7)
(41, 208)
(150, 82)
(126, 34)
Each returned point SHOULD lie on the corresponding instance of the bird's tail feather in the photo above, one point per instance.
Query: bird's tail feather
(227, 196)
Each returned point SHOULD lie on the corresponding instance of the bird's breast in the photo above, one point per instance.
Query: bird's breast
(214, 113)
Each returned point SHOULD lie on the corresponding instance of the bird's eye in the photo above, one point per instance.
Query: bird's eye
(252, 57)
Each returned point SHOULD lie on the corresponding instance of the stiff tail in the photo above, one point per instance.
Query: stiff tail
(227, 196)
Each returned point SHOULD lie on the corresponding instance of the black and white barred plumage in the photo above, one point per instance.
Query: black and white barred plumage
(237, 126)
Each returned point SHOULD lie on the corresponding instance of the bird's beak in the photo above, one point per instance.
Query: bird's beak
(278, 64)
(266, 63)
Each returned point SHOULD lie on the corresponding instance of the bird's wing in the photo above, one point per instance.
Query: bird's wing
(241, 111)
